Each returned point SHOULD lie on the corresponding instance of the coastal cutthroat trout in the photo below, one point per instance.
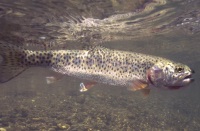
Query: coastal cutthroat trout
(98, 65)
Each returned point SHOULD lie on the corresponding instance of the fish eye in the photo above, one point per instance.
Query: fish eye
(179, 69)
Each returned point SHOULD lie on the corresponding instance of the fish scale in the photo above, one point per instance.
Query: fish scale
(105, 65)
(98, 65)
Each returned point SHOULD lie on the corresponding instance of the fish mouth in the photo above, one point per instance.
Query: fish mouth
(185, 81)
(188, 78)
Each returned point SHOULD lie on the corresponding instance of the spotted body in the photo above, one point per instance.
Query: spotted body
(99, 65)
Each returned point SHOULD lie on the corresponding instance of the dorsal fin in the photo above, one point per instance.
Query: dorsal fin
(98, 47)
(97, 50)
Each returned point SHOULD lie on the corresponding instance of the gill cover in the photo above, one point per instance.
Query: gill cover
(155, 75)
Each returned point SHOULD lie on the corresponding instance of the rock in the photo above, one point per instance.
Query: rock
(2, 129)
(63, 126)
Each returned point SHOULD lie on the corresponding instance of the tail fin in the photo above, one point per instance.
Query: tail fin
(10, 63)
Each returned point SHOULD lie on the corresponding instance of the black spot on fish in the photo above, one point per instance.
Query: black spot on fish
(76, 61)
(47, 61)
(43, 58)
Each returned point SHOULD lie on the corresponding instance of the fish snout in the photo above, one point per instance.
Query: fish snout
(192, 70)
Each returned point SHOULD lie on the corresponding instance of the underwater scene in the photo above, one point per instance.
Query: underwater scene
(99, 65)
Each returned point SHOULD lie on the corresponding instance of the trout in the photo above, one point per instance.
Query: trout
(98, 65)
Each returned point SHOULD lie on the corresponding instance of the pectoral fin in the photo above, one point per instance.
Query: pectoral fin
(138, 85)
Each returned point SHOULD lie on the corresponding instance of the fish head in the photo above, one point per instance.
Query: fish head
(170, 75)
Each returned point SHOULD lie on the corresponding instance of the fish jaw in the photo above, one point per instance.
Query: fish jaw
(187, 79)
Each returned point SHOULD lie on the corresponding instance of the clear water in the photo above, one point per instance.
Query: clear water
(163, 28)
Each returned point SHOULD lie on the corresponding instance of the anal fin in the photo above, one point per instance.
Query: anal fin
(53, 78)
(86, 86)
